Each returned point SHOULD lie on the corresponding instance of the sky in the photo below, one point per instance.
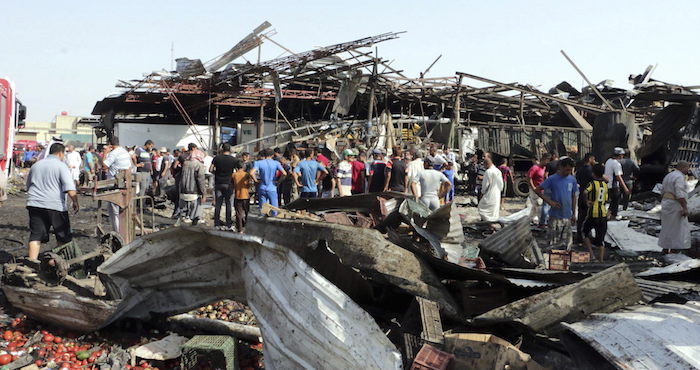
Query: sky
(65, 56)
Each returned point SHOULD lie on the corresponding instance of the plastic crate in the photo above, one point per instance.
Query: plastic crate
(68, 251)
(559, 259)
(580, 257)
(431, 358)
(210, 352)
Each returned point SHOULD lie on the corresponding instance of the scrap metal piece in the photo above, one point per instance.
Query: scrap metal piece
(365, 250)
(512, 245)
(628, 239)
(661, 336)
(689, 269)
(606, 291)
(305, 320)
(668, 291)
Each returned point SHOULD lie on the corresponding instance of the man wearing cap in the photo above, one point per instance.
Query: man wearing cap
(433, 184)
(675, 229)
(344, 173)
(613, 173)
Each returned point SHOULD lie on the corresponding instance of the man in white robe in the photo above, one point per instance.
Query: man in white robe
(675, 229)
(73, 161)
(491, 188)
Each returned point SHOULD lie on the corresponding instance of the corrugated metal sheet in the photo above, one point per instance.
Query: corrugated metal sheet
(676, 268)
(513, 244)
(661, 336)
(668, 290)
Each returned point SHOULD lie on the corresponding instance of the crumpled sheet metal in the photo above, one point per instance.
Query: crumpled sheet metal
(606, 291)
(442, 228)
(365, 250)
(513, 245)
(306, 321)
(660, 336)
(621, 235)
(675, 269)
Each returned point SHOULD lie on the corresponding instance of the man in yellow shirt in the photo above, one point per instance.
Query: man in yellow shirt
(596, 195)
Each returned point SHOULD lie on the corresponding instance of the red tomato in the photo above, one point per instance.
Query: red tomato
(48, 338)
(57, 340)
(42, 352)
(12, 347)
(38, 363)
(7, 335)
(5, 359)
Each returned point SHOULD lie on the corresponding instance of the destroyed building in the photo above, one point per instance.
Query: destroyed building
(377, 280)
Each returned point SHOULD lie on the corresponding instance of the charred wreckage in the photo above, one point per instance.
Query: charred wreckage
(377, 280)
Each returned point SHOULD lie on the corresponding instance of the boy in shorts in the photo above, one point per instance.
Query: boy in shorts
(596, 195)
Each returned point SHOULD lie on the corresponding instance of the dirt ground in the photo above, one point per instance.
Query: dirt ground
(14, 225)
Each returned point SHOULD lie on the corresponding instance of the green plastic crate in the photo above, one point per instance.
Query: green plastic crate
(210, 351)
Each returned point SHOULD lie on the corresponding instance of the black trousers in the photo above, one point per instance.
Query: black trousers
(614, 202)
(581, 217)
(222, 194)
(242, 208)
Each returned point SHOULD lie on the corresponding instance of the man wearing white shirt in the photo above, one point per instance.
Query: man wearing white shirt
(613, 173)
(117, 159)
(73, 161)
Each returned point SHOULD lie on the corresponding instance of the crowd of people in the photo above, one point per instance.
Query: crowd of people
(588, 194)
(562, 193)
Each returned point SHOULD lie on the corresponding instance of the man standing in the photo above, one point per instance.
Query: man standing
(47, 184)
(675, 229)
(117, 159)
(344, 173)
(491, 188)
(584, 176)
(415, 166)
(629, 174)
(535, 177)
(595, 195)
(358, 175)
(73, 161)
(613, 172)
(90, 164)
(192, 184)
(264, 171)
(433, 185)
(241, 185)
(397, 181)
(222, 167)
(559, 191)
(310, 171)
(379, 172)
(144, 166)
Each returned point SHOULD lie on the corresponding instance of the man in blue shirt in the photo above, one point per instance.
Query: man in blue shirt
(264, 172)
(559, 191)
(310, 171)
(47, 184)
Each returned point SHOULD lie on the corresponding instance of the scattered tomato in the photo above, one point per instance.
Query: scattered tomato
(5, 359)
(48, 338)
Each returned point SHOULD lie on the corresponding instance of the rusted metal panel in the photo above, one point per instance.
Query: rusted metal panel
(606, 291)
(661, 336)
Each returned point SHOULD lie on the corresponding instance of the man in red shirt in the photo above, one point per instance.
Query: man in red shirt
(358, 177)
(535, 177)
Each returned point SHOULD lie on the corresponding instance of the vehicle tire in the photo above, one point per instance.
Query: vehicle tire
(522, 187)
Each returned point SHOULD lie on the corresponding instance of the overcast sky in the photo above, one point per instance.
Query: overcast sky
(66, 55)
